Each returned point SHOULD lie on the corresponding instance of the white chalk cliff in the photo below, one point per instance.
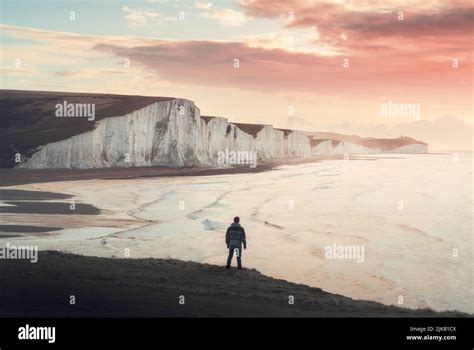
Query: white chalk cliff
(330, 147)
(172, 133)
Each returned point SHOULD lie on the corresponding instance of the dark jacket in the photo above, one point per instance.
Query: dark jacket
(235, 236)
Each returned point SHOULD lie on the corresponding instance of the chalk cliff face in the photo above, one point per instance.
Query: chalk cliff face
(297, 144)
(171, 132)
(163, 133)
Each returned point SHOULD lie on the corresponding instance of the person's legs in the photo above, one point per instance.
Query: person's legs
(239, 258)
(229, 258)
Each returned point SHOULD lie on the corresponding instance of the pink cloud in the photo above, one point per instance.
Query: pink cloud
(207, 63)
(352, 26)
(393, 67)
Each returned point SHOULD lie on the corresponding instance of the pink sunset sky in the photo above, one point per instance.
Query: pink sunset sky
(315, 65)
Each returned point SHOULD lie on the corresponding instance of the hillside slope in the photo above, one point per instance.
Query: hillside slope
(152, 288)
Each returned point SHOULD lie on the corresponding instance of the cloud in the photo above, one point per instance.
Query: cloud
(212, 63)
(203, 5)
(277, 70)
(365, 27)
(18, 71)
(69, 40)
(162, 2)
(138, 18)
(260, 8)
(226, 17)
(87, 72)
(264, 67)
(298, 40)
(298, 123)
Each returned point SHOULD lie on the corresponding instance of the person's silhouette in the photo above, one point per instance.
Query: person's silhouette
(234, 238)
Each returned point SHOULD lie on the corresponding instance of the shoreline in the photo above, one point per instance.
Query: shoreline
(104, 287)
(21, 176)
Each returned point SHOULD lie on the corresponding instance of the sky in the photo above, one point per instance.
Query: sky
(303, 64)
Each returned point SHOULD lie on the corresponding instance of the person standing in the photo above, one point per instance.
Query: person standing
(235, 238)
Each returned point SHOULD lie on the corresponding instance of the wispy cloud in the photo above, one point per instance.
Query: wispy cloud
(368, 27)
(87, 72)
(203, 5)
(299, 40)
(225, 17)
(19, 71)
(136, 18)
(264, 64)
(304, 58)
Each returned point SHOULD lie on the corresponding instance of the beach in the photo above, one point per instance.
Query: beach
(408, 212)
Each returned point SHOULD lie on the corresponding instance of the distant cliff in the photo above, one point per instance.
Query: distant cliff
(348, 145)
(131, 131)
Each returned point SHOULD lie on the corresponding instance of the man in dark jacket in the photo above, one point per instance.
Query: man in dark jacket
(234, 238)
